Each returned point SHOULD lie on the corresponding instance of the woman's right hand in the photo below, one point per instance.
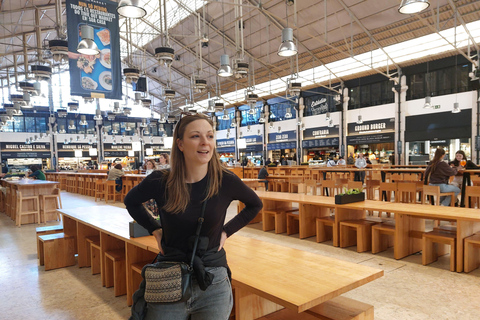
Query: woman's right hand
(158, 236)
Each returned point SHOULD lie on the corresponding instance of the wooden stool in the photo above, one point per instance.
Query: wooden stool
(80, 184)
(127, 186)
(115, 271)
(95, 256)
(56, 251)
(293, 224)
(100, 189)
(434, 245)
(44, 209)
(382, 237)
(363, 239)
(276, 219)
(63, 181)
(324, 234)
(434, 191)
(110, 192)
(472, 256)
(23, 207)
(46, 230)
(89, 240)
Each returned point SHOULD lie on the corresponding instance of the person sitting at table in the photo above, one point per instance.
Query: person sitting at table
(250, 164)
(331, 162)
(36, 173)
(164, 161)
(437, 174)
(341, 161)
(116, 174)
(263, 174)
(459, 157)
(150, 166)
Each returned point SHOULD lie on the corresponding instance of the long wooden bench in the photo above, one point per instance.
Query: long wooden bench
(276, 219)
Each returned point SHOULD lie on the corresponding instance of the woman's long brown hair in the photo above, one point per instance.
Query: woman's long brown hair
(436, 159)
(178, 191)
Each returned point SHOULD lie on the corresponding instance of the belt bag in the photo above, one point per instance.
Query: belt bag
(170, 281)
(167, 282)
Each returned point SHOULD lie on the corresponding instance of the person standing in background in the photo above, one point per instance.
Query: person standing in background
(361, 163)
(351, 159)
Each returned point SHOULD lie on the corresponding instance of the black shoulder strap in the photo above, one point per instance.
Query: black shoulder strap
(197, 233)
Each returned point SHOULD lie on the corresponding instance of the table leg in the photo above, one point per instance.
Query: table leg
(464, 230)
(249, 306)
(344, 215)
(308, 214)
(405, 241)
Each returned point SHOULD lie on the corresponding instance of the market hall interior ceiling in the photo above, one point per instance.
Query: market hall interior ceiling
(336, 40)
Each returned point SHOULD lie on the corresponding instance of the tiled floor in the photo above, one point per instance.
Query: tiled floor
(408, 290)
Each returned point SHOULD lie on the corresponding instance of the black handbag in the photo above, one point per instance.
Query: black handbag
(170, 281)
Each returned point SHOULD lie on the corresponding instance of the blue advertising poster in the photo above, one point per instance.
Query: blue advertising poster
(97, 76)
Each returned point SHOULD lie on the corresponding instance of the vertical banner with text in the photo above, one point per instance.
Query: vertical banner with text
(97, 76)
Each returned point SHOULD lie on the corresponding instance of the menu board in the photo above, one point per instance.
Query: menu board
(97, 76)
(371, 138)
(316, 143)
(282, 145)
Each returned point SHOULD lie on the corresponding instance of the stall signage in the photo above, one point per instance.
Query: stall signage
(371, 138)
(116, 153)
(113, 147)
(155, 147)
(317, 104)
(96, 76)
(26, 154)
(5, 146)
(320, 132)
(369, 127)
(226, 150)
(284, 136)
(253, 148)
(253, 139)
(317, 143)
(75, 146)
(282, 145)
(438, 141)
(221, 143)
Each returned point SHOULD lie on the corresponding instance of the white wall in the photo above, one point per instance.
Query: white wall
(372, 113)
(465, 99)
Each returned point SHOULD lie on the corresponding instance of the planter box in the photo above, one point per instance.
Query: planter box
(137, 230)
(349, 198)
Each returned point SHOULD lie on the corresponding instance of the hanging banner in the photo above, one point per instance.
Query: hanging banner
(97, 76)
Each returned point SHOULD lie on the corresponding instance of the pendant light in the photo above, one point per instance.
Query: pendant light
(87, 46)
(225, 69)
(413, 6)
(131, 9)
(287, 47)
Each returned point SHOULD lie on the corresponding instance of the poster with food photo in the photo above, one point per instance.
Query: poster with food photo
(97, 75)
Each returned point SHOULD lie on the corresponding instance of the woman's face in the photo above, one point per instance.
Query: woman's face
(198, 143)
(459, 156)
(149, 165)
(162, 160)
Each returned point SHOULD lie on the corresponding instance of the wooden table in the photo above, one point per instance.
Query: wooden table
(266, 276)
(409, 219)
(28, 187)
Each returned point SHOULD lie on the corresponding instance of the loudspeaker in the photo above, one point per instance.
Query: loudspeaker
(141, 85)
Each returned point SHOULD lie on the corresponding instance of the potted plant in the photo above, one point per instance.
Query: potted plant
(349, 196)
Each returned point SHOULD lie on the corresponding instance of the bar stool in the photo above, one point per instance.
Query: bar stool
(55, 196)
(100, 188)
(127, 186)
(23, 203)
(63, 181)
(80, 184)
(472, 192)
(110, 193)
(89, 186)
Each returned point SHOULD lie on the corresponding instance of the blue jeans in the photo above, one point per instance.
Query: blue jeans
(445, 201)
(215, 303)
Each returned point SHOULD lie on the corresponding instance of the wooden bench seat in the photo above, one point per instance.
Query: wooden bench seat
(472, 252)
(382, 237)
(324, 234)
(434, 243)
(276, 219)
(46, 230)
(363, 238)
(95, 256)
(115, 271)
(89, 240)
(56, 250)
(339, 308)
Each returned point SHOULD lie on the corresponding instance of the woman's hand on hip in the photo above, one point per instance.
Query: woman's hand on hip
(158, 236)
(223, 238)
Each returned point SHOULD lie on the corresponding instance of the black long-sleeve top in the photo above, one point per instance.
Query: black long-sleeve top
(178, 228)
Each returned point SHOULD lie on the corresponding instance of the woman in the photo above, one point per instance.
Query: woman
(250, 164)
(150, 166)
(116, 174)
(459, 156)
(36, 173)
(195, 176)
(164, 161)
(437, 174)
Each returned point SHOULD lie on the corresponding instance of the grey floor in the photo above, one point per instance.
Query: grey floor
(408, 290)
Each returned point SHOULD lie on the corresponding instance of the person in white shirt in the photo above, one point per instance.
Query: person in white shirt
(331, 162)
(360, 163)
(341, 161)
(150, 166)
